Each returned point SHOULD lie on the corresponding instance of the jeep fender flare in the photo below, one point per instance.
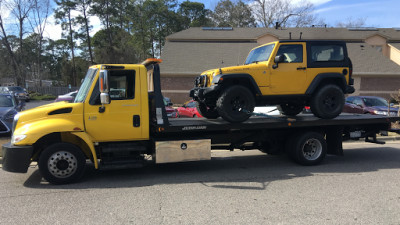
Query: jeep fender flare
(338, 79)
(243, 79)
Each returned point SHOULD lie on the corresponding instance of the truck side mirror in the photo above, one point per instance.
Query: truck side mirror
(103, 85)
(278, 59)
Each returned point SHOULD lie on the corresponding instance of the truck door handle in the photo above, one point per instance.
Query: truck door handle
(136, 121)
(301, 68)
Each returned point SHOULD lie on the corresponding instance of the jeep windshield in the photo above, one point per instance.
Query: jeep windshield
(87, 82)
(260, 54)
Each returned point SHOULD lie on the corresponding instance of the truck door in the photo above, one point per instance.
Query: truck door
(291, 74)
(121, 119)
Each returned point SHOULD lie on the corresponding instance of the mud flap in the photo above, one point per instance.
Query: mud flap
(334, 140)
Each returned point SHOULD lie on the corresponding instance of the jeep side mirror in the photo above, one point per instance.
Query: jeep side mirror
(278, 59)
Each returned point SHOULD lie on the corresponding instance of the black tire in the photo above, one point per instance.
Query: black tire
(290, 109)
(236, 104)
(328, 102)
(206, 112)
(307, 149)
(62, 163)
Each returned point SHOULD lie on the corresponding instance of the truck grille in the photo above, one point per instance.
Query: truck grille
(201, 81)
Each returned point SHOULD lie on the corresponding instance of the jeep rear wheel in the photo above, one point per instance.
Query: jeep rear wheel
(206, 112)
(236, 104)
(328, 102)
(290, 109)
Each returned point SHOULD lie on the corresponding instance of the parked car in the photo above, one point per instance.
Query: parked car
(69, 97)
(9, 107)
(189, 110)
(19, 92)
(368, 105)
(171, 112)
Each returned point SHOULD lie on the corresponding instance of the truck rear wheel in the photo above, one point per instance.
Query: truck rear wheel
(207, 112)
(328, 102)
(236, 104)
(290, 109)
(62, 163)
(307, 148)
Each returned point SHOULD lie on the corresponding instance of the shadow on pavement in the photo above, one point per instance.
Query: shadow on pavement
(231, 172)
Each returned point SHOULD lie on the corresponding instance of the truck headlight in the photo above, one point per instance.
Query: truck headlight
(17, 138)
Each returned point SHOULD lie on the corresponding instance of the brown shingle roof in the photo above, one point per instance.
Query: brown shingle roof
(368, 60)
(197, 33)
(188, 58)
(192, 58)
(396, 45)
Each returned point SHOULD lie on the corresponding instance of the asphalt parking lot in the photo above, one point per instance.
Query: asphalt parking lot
(233, 188)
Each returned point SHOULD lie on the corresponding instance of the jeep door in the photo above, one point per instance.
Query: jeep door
(289, 76)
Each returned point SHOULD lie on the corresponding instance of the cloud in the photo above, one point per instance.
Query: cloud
(54, 31)
(314, 2)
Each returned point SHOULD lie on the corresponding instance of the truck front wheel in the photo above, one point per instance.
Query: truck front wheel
(236, 104)
(62, 163)
(328, 102)
(307, 148)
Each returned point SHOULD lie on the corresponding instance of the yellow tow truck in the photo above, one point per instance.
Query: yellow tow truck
(118, 120)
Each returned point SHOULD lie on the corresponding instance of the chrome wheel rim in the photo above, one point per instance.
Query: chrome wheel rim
(312, 149)
(62, 164)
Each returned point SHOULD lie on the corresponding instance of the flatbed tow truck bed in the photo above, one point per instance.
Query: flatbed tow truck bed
(274, 122)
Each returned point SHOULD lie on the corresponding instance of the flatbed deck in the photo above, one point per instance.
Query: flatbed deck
(272, 122)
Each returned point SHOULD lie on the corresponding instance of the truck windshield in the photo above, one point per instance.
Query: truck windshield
(260, 54)
(87, 82)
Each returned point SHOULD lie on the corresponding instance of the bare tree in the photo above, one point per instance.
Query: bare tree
(283, 13)
(38, 21)
(20, 10)
(350, 22)
(4, 39)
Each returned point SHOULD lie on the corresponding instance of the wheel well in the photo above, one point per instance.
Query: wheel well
(58, 137)
(335, 81)
(246, 82)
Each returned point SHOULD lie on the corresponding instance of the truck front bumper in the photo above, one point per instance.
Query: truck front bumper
(349, 89)
(16, 158)
(200, 93)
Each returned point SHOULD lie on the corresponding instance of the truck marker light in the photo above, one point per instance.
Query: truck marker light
(77, 129)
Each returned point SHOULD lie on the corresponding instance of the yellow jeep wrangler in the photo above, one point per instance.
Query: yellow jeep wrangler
(290, 74)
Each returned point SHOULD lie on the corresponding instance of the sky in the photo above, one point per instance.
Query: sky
(376, 13)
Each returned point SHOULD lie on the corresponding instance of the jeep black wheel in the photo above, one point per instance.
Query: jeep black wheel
(328, 102)
(290, 109)
(206, 112)
(236, 104)
(62, 163)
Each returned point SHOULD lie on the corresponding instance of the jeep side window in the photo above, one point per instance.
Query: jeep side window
(122, 84)
(291, 53)
(327, 53)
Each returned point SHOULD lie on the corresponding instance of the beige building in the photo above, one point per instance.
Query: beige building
(375, 53)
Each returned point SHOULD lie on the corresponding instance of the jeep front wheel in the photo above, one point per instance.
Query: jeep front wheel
(328, 102)
(206, 112)
(236, 104)
(290, 109)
